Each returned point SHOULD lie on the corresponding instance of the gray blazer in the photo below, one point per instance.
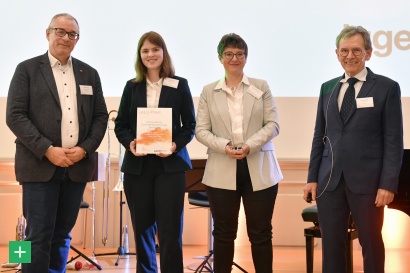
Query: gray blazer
(260, 124)
(34, 115)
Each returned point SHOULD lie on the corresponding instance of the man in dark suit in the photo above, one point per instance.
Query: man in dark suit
(56, 109)
(356, 154)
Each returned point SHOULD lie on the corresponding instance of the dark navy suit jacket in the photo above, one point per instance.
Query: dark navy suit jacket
(183, 123)
(368, 149)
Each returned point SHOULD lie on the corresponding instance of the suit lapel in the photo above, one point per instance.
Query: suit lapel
(47, 72)
(141, 93)
(248, 101)
(364, 90)
(79, 80)
(222, 106)
(367, 85)
(333, 105)
(163, 97)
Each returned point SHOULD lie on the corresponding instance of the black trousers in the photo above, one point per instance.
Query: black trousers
(156, 201)
(258, 207)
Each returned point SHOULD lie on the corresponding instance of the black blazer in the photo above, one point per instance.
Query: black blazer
(34, 115)
(368, 149)
(183, 123)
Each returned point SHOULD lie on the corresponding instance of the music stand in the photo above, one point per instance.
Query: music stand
(193, 184)
(194, 176)
(79, 253)
(121, 249)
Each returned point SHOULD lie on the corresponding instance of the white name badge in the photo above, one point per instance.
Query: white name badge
(86, 90)
(364, 102)
(171, 82)
(255, 92)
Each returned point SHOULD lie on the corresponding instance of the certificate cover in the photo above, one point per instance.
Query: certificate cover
(154, 130)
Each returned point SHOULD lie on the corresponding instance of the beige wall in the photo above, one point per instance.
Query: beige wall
(296, 116)
(287, 221)
(293, 146)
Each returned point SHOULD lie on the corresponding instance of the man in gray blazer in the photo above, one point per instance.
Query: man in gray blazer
(356, 154)
(56, 109)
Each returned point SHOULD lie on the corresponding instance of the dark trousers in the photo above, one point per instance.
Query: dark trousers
(51, 210)
(258, 207)
(333, 211)
(156, 201)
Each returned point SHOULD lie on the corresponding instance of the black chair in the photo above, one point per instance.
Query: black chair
(86, 206)
(200, 199)
(309, 214)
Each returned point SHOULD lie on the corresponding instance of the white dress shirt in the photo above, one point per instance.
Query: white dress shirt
(234, 98)
(361, 76)
(66, 87)
(153, 93)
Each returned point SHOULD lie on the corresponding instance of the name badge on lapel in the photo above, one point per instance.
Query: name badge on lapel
(86, 90)
(364, 102)
(255, 92)
(171, 82)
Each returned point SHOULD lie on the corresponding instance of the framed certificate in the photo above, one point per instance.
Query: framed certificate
(154, 130)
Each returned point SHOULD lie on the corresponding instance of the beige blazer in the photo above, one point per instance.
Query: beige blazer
(260, 125)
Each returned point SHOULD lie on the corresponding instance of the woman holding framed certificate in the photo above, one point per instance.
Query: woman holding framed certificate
(237, 120)
(155, 122)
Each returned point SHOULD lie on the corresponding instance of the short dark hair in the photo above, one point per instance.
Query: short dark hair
(350, 31)
(167, 69)
(232, 40)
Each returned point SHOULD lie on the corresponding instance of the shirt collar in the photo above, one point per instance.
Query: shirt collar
(158, 83)
(222, 84)
(54, 62)
(361, 76)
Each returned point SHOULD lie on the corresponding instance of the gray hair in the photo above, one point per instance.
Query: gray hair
(66, 15)
(350, 31)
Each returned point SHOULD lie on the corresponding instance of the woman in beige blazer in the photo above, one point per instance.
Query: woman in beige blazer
(237, 120)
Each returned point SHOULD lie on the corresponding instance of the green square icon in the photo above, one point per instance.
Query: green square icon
(19, 252)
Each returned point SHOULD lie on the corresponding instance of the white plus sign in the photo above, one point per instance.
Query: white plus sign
(20, 252)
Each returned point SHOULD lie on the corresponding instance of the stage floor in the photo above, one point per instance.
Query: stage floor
(285, 260)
